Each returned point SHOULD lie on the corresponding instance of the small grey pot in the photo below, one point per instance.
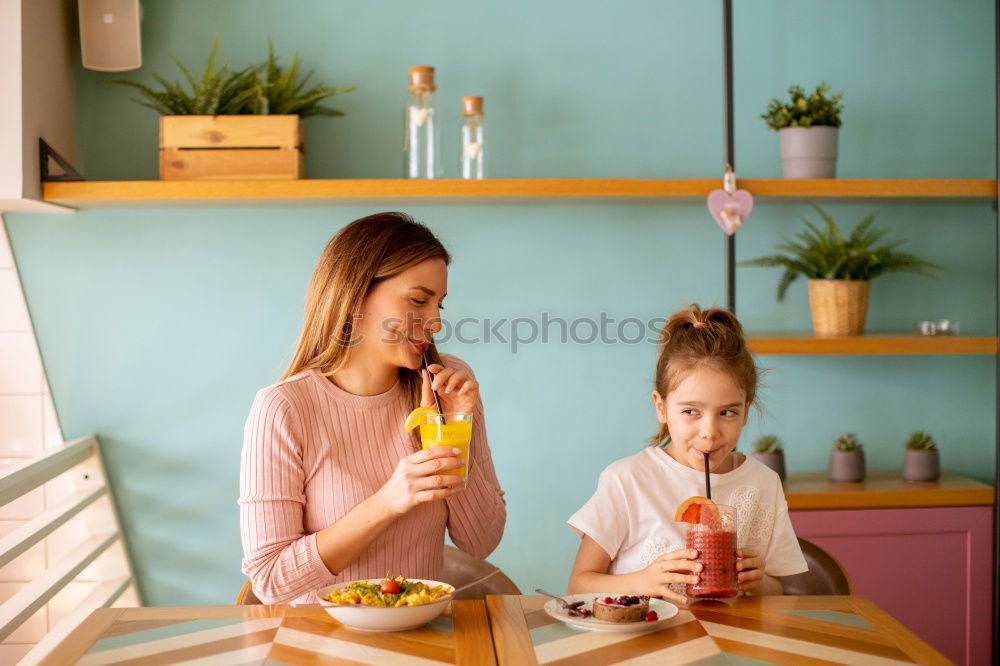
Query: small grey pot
(808, 152)
(921, 465)
(847, 466)
(774, 459)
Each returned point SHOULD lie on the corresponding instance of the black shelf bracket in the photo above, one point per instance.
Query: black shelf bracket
(45, 152)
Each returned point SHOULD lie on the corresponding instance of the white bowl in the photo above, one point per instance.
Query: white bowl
(377, 618)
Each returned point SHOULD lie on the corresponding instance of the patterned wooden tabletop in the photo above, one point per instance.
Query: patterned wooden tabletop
(749, 630)
(272, 635)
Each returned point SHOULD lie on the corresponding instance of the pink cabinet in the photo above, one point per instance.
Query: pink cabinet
(930, 568)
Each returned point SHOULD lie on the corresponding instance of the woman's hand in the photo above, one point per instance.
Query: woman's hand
(655, 579)
(457, 390)
(750, 566)
(418, 479)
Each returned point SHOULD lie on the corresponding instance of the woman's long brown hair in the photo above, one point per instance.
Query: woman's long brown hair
(359, 256)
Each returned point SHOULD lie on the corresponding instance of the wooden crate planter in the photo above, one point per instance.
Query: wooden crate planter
(231, 148)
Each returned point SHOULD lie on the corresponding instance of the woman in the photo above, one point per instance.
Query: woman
(331, 487)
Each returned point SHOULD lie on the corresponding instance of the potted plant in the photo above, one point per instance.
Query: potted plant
(237, 125)
(847, 460)
(807, 131)
(768, 450)
(921, 462)
(839, 270)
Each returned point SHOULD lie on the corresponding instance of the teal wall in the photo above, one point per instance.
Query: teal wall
(157, 326)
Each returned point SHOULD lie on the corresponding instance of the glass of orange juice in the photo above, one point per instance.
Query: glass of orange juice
(449, 429)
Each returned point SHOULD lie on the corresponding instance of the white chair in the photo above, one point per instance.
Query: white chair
(91, 502)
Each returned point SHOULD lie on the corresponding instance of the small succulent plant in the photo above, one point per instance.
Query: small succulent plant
(767, 444)
(847, 441)
(802, 110)
(921, 441)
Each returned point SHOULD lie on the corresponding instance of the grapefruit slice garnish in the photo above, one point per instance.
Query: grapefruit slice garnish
(417, 417)
(689, 511)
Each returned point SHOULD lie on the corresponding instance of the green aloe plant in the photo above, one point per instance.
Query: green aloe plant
(767, 444)
(824, 253)
(218, 92)
(921, 441)
(259, 89)
(282, 91)
(805, 110)
(847, 441)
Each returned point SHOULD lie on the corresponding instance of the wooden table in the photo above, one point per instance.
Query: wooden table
(780, 630)
(279, 634)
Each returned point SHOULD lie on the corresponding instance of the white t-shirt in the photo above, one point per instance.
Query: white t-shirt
(631, 515)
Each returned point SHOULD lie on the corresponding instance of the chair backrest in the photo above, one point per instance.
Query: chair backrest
(246, 597)
(477, 577)
(825, 576)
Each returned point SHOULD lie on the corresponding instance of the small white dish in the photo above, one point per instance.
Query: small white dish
(664, 611)
(378, 618)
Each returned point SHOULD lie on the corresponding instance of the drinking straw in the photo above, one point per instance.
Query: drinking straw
(708, 481)
(430, 377)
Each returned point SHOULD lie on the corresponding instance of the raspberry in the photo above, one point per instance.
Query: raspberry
(651, 616)
(608, 600)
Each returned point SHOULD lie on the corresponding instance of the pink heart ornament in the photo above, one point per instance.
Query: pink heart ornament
(730, 210)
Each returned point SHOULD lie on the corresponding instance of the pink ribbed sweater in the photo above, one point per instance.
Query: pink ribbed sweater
(311, 452)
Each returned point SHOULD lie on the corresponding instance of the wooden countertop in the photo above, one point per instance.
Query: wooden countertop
(883, 489)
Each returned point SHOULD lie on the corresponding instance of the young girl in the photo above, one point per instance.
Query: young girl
(706, 381)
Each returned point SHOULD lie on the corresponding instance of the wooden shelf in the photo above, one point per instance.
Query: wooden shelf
(883, 489)
(156, 193)
(807, 344)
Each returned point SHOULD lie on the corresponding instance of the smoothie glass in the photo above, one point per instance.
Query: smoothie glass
(714, 537)
(449, 429)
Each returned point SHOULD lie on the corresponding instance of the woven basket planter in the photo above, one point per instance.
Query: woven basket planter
(838, 306)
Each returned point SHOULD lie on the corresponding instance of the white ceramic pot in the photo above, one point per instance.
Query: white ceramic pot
(808, 152)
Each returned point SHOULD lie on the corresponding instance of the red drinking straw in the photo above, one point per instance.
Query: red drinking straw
(708, 481)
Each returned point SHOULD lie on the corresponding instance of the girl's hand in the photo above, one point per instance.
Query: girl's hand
(750, 566)
(457, 390)
(655, 579)
(418, 479)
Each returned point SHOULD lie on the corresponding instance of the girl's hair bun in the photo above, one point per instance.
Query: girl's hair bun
(693, 337)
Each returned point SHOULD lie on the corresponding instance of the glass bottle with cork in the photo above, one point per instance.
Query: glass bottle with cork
(473, 138)
(421, 144)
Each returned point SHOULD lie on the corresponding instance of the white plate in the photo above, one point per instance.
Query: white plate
(377, 618)
(664, 611)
